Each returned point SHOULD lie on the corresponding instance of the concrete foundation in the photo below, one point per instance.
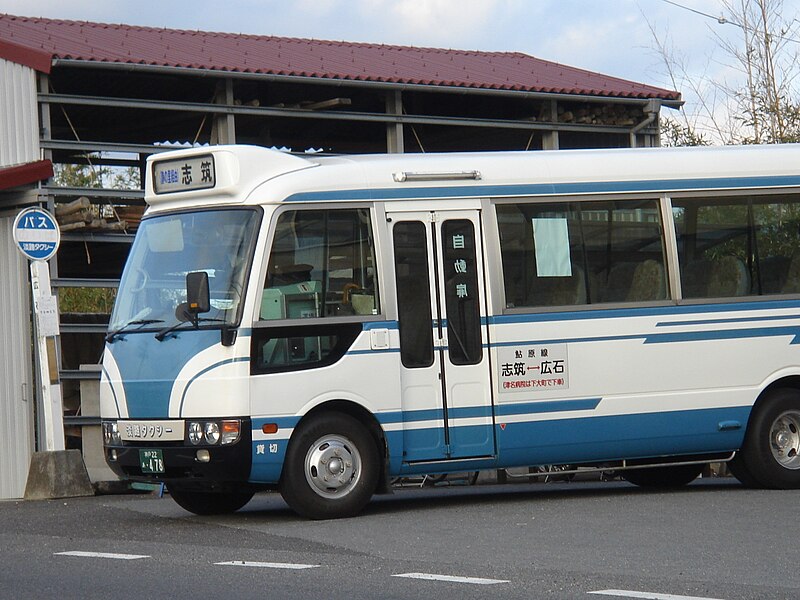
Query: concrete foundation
(59, 474)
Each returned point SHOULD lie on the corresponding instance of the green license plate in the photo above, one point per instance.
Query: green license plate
(151, 461)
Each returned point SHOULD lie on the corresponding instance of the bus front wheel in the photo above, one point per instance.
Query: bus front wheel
(331, 468)
(770, 455)
(208, 503)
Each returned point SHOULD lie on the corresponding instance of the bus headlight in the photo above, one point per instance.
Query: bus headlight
(195, 433)
(212, 433)
(111, 434)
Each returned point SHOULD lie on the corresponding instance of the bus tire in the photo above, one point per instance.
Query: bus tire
(331, 468)
(208, 503)
(739, 469)
(663, 477)
(770, 454)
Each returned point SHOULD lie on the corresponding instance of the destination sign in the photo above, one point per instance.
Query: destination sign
(185, 174)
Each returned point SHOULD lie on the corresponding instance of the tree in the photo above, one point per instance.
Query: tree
(675, 133)
(93, 176)
(760, 103)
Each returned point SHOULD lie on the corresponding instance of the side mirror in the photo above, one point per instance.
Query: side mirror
(198, 300)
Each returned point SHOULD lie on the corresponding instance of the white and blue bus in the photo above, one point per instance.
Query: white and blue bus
(323, 325)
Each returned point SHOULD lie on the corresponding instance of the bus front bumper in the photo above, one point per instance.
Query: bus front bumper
(204, 465)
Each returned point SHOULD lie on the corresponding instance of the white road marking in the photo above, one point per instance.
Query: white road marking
(648, 595)
(267, 565)
(102, 555)
(451, 578)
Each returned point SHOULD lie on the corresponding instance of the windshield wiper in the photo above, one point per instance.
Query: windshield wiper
(167, 330)
(141, 322)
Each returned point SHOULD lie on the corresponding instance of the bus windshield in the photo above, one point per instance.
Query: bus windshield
(167, 248)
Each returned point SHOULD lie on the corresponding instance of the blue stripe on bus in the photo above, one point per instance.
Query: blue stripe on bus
(592, 312)
(372, 351)
(281, 422)
(728, 320)
(548, 406)
(468, 191)
(631, 436)
(459, 412)
(433, 414)
(600, 439)
(670, 338)
(726, 334)
(560, 441)
(381, 325)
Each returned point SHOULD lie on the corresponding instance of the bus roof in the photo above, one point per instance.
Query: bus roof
(231, 174)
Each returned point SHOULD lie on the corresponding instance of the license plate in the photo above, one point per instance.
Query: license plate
(151, 461)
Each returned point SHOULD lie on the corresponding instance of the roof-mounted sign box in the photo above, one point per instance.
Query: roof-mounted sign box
(184, 174)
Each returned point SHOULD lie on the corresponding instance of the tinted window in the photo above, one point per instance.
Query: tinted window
(560, 254)
(413, 294)
(738, 246)
(461, 292)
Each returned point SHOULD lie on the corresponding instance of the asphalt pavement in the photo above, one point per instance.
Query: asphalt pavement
(711, 540)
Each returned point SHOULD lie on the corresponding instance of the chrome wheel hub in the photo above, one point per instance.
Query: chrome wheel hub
(784, 437)
(333, 466)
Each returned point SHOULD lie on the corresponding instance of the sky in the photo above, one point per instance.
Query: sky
(614, 37)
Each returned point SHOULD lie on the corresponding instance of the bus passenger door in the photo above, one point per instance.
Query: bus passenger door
(446, 390)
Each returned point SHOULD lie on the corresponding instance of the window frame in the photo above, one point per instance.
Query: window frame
(271, 221)
(667, 236)
(749, 198)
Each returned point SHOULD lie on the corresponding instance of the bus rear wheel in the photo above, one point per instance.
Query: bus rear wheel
(331, 468)
(663, 477)
(208, 503)
(770, 455)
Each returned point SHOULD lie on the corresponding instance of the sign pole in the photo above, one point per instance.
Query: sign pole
(46, 311)
(37, 236)
(54, 472)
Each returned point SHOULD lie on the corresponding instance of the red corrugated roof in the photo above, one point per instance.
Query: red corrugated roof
(312, 58)
(25, 173)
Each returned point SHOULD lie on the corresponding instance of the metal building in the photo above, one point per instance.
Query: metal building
(91, 96)
(19, 146)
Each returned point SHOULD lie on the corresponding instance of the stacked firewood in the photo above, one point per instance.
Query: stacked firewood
(606, 114)
(131, 215)
(81, 214)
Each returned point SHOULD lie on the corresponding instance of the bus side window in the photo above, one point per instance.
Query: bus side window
(738, 246)
(578, 253)
(322, 264)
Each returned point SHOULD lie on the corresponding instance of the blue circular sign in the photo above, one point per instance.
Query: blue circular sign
(36, 234)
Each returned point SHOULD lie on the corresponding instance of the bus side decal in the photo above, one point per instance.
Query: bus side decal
(669, 338)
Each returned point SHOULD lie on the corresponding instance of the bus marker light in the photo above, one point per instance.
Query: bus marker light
(269, 428)
(230, 431)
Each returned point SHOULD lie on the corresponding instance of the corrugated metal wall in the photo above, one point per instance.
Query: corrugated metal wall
(16, 379)
(19, 143)
(19, 121)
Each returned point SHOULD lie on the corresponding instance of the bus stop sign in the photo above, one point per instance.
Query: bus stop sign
(36, 234)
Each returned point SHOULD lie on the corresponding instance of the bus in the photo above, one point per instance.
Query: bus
(324, 325)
